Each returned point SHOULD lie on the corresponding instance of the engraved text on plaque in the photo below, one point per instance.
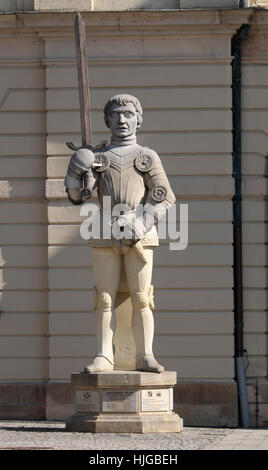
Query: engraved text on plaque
(125, 401)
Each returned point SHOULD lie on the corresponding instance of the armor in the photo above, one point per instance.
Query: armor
(133, 180)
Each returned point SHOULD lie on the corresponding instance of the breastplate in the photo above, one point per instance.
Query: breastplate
(121, 180)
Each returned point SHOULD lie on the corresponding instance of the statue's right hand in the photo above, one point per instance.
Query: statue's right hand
(80, 163)
(78, 176)
(83, 159)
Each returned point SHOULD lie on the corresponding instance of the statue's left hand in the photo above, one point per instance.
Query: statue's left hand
(128, 230)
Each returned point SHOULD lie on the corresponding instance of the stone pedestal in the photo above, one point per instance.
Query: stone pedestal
(124, 402)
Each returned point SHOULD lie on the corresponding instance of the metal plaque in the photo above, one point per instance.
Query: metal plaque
(87, 401)
(124, 401)
(156, 400)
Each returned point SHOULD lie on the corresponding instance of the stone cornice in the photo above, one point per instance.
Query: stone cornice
(254, 60)
(17, 63)
(148, 19)
(132, 23)
(136, 61)
(71, 62)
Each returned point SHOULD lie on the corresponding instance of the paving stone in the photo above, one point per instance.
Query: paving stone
(52, 435)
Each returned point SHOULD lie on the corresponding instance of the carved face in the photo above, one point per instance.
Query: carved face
(122, 120)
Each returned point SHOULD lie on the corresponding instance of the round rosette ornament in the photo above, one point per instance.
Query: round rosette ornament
(102, 161)
(144, 163)
(159, 193)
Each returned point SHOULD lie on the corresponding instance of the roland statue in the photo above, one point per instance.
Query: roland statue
(133, 178)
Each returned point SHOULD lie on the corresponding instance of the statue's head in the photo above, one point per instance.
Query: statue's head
(123, 115)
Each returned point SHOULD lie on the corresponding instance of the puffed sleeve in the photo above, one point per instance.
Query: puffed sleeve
(80, 180)
(160, 196)
(159, 189)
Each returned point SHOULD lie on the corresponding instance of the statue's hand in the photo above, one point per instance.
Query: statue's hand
(129, 229)
(82, 160)
(128, 242)
(79, 179)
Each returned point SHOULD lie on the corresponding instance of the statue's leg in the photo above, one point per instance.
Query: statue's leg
(139, 276)
(107, 266)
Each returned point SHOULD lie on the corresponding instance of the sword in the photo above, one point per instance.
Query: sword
(83, 87)
(83, 84)
(84, 96)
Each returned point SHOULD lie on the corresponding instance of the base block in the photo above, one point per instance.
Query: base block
(124, 402)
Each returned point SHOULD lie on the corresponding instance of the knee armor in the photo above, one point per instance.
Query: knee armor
(140, 300)
(103, 300)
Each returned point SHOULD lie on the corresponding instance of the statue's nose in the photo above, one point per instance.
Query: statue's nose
(122, 118)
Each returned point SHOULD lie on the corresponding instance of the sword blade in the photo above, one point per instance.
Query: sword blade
(83, 84)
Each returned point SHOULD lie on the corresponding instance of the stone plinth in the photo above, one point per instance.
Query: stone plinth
(125, 402)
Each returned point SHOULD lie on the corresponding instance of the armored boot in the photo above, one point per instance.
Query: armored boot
(104, 359)
(143, 329)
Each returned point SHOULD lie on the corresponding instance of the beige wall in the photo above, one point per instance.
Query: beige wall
(115, 5)
(179, 65)
(23, 214)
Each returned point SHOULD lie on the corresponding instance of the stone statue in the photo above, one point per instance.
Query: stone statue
(133, 176)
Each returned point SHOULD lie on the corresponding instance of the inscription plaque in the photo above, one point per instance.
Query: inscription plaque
(156, 400)
(87, 401)
(125, 401)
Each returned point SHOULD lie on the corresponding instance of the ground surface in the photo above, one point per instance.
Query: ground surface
(52, 435)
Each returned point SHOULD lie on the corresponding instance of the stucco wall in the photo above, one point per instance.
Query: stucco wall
(23, 213)
(114, 5)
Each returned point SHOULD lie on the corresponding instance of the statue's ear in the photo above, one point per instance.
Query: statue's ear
(106, 120)
(139, 123)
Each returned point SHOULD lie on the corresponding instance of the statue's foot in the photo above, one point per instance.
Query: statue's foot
(148, 364)
(100, 364)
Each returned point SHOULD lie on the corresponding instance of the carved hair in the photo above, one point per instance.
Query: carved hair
(123, 100)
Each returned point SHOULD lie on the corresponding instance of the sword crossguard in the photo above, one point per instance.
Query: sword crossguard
(99, 146)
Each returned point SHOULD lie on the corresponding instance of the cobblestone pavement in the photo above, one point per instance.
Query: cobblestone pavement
(51, 435)
(242, 439)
